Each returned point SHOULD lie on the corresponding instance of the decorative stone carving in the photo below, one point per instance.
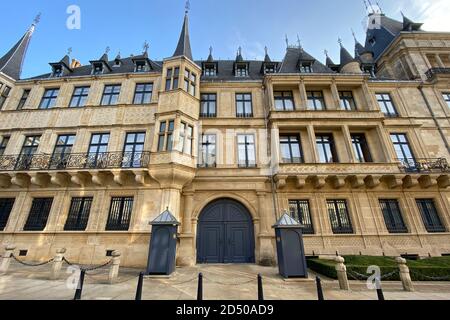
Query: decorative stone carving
(410, 182)
(40, 179)
(99, 178)
(373, 181)
(428, 181)
(78, 178)
(5, 181)
(394, 181)
(280, 180)
(319, 182)
(300, 182)
(356, 181)
(444, 181)
(59, 179)
(337, 182)
(20, 180)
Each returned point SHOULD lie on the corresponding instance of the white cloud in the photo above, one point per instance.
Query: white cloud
(433, 13)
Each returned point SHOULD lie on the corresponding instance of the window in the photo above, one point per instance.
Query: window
(172, 77)
(326, 148)
(402, 149)
(62, 151)
(133, 149)
(111, 95)
(79, 97)
(339, 217)
(246, 151)
(430, 215)
(98, 147)
(6, 206)
(57, 71)
(37, 219)
(120, 214)
(208, 151)
(165, 140)
(315, 100)
(361, 148)
(143, 93)
(306, 67)
(49, 99)
(284, 100)
(23, 99)
(208, 105)
(244, 108)
(290, 149)
(79, 211)
(210, 70)
(29, 149)
(447, 97)
(97, 68)
(393, 216)
(386, 104)
(186, 137)
(190, 82)
(300, 211)
(347, 100)
(4, 95)
(270, 68)
(4, 145)
(241, 70)
(141, 66)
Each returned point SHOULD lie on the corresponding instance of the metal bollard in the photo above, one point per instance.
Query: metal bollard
(200, 287)
(319, 289)
(139, 287)
(79, 290)
(260, 288)
(379, 290)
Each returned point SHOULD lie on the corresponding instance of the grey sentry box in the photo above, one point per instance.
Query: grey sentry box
(290, 248)
(163, 245)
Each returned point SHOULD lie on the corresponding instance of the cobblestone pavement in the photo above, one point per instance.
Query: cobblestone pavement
(221, 282)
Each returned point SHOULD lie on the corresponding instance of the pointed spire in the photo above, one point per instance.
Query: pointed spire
(12, 62)
(328, 62)
(184, 43)
(118, 57)
(210, 57)
(267, 57)
(346, 57)
(239, 57)
(409, 25)
(359, 48)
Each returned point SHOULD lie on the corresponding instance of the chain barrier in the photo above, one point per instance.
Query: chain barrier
(362, 277)
(31, 264)
(88, 268)
(444, 278)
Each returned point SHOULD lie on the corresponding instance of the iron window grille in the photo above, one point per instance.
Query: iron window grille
(49, 99)
(111, 95)
(430, 216)
(347, 100)
(284, 100)
(403, 149)
(316, 100)
(326, 148)
(244, 106)
(208, 105)
(133, 150)
(79, 211)
(393, 216)
(4, 144)
(165, 135)
(208, 151)
(291, 151)
(23, 99)
(300, 211)
(120, 214)
(29, 149)
(246, 151)
(62, 152)
(143, 93)
(6, 206)
(361, 148)
(79, 97)
(339, 217)
(98, 147)
(37, 219)
(386, 104)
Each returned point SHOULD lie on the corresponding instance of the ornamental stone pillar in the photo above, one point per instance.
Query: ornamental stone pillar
(405, 276)
(57, 264)
(265, 237)
(341, 271)
(186, 252)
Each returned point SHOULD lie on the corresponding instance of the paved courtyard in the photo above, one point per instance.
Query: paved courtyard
(230, 282)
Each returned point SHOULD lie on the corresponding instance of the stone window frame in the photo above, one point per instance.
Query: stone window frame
(311, 96)
(247, 164)
(111, 94)
(405, 229)
(79, 96)
(49, 102)
(143, 93)
(167, 134)
(366, 155)
(209, 114)
(439, 213)
(4, 145)
(284, 96)
(349, 207)
(23, 99)
(347, 100)
(172, 78)
(395, 112)
(244, 100)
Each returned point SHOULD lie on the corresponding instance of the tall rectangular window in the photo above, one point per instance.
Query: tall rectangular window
(111, 95)
(186, 137)
(386, 104)
(290, 149)
(361, 148)
(133, 150)
(300, 211)
(190, 82)
(120, 214)
(284, 100)
(393, 216)
(143, 93)
(339, 217)
(347, 100)
(172, 78)
(306, 67)
(208, 151)
(98, 148)
(62, 151)
(246, 151)
(430, 216)
(326, 148)
(79, 97)
(447, 98)
(316, 100)
(4, 94)
(6, 206)
(4, 145)
(244, 108)
(79, 211)
(37, 219)
(29, 149)
(210, 70)
(49, 99)
(208, 105)
(403, 149)
(23, 99)
(241, 70)
(165, 136)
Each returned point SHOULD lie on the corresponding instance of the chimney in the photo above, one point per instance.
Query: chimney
(75, 64)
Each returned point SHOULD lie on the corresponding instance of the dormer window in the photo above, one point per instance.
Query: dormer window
(57, 71)
(97, 68)
(117, 63)
(269, 69)
(241, 70)
(372, 41)
(306, 67)
(210, 70)
(141, 66)
(369, 70)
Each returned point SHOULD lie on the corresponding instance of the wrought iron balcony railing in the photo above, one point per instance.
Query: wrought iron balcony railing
(424, 165)
(434, 71)
(72, 161)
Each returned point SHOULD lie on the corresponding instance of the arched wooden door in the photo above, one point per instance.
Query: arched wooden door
(225, 233)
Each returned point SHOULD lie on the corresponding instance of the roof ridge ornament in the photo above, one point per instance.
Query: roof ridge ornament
(145, 47)
(69, 51)
(187, 7)
(37, 19)
(107, 50)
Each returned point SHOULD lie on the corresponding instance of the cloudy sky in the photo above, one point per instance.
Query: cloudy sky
(225, 25)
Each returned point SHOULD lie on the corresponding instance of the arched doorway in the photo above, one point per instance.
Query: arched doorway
(225, 233)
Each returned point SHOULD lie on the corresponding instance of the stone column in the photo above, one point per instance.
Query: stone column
(439, 61)
(114, 271)
(57, 264)
(341, 271)
(405, 276)
(270, 96)
(266, 249)
(186, 253)
(348, 143)
(312, 140)
(335, 94)
(7, 257)
(303, 96)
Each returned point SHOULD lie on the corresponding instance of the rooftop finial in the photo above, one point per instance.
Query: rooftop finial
(403, 15)
(340, 42)
(107, 50)
(210, 50)
(145, 46)
(69, 51)
(379, 7)
(371, 6)
(187, 6)
(287, 41)
(240, 51)
(354, 35)
(37, 19)
(266, 50)
(326, 53)
(299, 42)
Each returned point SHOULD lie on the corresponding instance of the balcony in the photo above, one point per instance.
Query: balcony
(437, 71)
(439, 165)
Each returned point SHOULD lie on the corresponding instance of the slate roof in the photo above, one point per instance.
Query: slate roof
(225, 71)
(346, 57)
(291, 60)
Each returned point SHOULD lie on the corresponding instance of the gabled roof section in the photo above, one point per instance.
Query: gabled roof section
(287, 221)
(11, 63)
(165, 218)
(296, 54)
(184, 43)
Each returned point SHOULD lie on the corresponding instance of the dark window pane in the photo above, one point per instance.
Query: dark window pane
(38, 216)
(300, 211)
(120, 214)
(392, 216)
(430, 216)
(78, 217)
(339, 217)
(6, 206)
